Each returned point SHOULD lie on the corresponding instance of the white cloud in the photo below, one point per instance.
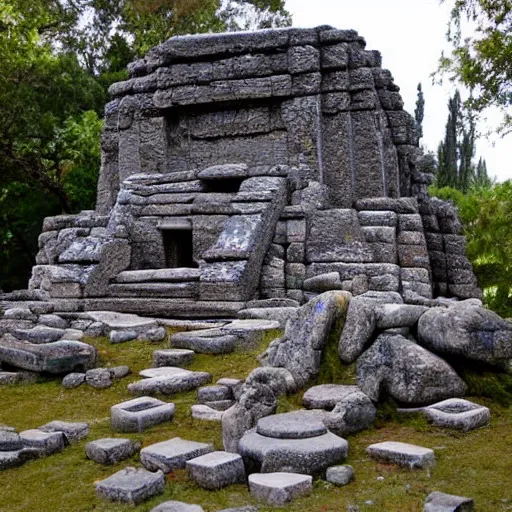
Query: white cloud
(410, 34)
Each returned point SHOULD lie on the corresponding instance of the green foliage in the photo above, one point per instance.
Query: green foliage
(486, 213)
(482, 62)
(419, 111)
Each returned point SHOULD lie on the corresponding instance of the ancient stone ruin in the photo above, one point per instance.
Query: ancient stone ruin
(242, 167)
(272, 177)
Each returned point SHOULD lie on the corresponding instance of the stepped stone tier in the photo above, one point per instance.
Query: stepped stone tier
(253, 166)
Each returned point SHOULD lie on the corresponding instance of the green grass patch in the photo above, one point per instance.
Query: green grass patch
(476, 464)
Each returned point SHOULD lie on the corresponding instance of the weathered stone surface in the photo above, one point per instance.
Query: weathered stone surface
(307, 456)
(39, 334)
(172, 357)
(140, 414)
(213, 393)
(408, 372)
(10, 441)
(277, 489)
(73, 431)
(327, 396)
(73, 380)
(206, 413)
(467, 329)
(207, 341)
(111, 450)
(13, 459)
(293, 425)
(455, 413)
(340, 475)
(403, 454)
(58, 357)
(122, 336)
(99, 378)
(441, 502)
(299, 351)
(216, 470)
(131, 485)
(170, 383)
(177, 506)
(276, 314)
(389, 316)
(324, 282)
(172, 454)
(46, 442)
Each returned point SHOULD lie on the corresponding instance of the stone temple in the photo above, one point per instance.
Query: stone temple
(243, 167)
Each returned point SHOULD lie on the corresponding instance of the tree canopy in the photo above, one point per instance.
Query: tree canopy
(482, 62)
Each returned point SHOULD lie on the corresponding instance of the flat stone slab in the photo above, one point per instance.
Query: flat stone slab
(131, 485)
(39, 334)
(441, 502)
(176, 506)
(60, 357)
(170, 275)
(46, 442)
(122, 321)
(111, 450)
(206, 413)
(216, 470)
(292, 425)
(73, 431)
(340, 475)
(140, 414)
(207, 341)
(172, 454)
(250, 325)
(214, 393)
(309, 456)
(278, 489)
(403, 454)
(170, 384)
(455, 413)
(13, 459)
(163, 371)
(327, 396)
(172, 357)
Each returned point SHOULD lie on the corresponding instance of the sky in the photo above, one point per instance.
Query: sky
(410, 34)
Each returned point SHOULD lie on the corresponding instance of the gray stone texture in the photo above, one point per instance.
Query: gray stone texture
(73, 431)
(409, 373)
(176, 506)
(131, 485)
(111, 450)
(340, 475)
(278, 489)
(216, 470)
(402, 454)
(442, 502)
(140, 414)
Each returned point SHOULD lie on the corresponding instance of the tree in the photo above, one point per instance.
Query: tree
(482, 62)
(482, 179)
(419, 111)
(486, 215)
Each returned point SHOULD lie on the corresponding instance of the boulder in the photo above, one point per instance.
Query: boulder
(402, 454)
(407, 372)
(59, 357)
(73, 380)
(340, 475)
(111, 450)
(300, 349)
(216, 470)
(467, 329)
(99, 378)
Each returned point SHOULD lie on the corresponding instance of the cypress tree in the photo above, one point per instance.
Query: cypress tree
(419, 111)
(447, 152)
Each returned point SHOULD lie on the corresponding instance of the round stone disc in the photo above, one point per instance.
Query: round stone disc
(292, 425)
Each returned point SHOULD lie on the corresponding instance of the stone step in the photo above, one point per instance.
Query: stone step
(170, 275)
(171, 308)
(173, 290)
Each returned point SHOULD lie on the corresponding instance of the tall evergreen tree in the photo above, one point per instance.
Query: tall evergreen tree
(419, 111)
(447, 152)
(482, 179)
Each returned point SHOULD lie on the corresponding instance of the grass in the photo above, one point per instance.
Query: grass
(477, 464)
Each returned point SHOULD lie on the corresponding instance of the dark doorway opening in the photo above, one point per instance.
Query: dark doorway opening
(226, 185)
(178, 248)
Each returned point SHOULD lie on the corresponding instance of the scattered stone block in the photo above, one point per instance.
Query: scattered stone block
(172, 454)
(46, 442)
(234, 384)
(10, 441)
(403, 454)
(441, 502)
(73, 380)
(140, 414)
(220, 405)
(111, 450)
(131, 485)
(340, 475)
(455, 413)
(119, 372)
(170, 383)
(205, 413)
(99, 378)
(73, 432)
(176, 506)
(292, 425)
(156, 334)
(207, 341)
(13, 459)
(216, 470)
(277, 489)
(122, 336)
(172, 357)
(214, 393)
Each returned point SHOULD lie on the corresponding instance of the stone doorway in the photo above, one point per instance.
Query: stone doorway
(178, 248)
